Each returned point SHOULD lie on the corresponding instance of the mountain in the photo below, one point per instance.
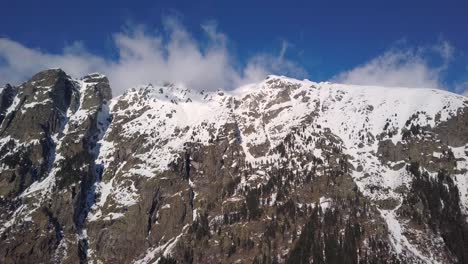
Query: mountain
(281, 171)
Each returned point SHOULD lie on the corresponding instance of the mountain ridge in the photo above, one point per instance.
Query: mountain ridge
(174, 172)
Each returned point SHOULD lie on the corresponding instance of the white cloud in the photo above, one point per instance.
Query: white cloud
(403, 68)
(18, 63)
(284, 47)
(462, 88)
(143, 57)
(445, 50)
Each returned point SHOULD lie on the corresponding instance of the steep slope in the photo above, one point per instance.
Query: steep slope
(48, 148)
(279, 171)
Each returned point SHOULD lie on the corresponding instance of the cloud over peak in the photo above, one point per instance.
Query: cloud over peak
(403, 67)
(172, 54)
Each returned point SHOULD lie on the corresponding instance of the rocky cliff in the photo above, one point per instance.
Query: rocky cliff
(281, 171)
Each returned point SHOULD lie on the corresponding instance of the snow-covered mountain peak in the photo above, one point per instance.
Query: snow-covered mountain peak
(176, 173)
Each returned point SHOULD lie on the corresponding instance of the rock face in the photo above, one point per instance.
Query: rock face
(282, 171)
(7, 95)
(48, 151)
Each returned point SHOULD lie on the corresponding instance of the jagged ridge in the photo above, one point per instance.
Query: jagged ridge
(174, 172)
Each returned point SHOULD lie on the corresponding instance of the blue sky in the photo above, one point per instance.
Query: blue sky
(398, 43)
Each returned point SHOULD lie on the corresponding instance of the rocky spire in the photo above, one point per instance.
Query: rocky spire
(7, 94)
(52, 125)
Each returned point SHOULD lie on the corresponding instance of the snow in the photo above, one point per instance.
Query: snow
(273, 198)
(162, 115)
(126, 196)
(349, 109)
(34, 104)
(39, 190)
(105, 189)
(325, 203)
(317, 152)
(71, 118)
(13, 106)
(166, 249)
(38, 186)
(461, 179)
(168, 116)
(142, 172)
(14, 218)
(398, 240)
(113, 216)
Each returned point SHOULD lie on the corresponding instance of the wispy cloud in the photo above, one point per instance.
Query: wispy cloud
(173, 55)
(18, 63)
(403, 67)
(462, 88)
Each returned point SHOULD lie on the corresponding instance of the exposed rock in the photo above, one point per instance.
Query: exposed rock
(283, 171)
(7, 94)
(55, 125)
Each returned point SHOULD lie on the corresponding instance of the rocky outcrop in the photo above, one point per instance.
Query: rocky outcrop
(48, 173)
(283, 171)
(37, 113)
(7, 94)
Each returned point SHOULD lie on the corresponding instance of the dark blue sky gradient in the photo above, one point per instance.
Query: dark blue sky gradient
(327, 37)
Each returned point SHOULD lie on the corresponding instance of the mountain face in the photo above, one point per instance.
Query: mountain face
(282, 171)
